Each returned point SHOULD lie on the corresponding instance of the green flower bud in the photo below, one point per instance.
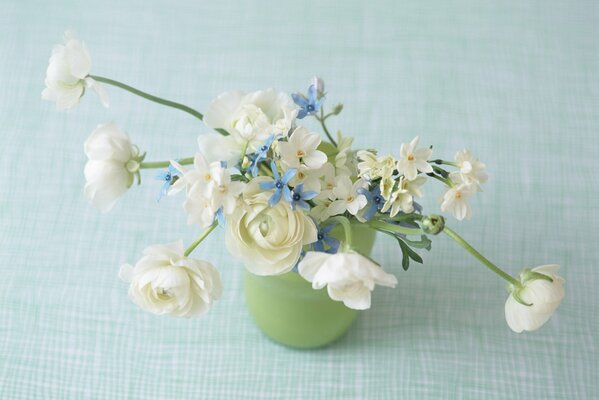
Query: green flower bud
(337, 109)
(433, 224)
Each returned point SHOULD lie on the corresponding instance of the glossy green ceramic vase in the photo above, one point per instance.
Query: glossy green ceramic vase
(290, 312)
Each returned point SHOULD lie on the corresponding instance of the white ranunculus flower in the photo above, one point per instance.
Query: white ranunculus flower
(112, 165)
(165, 281)
(216, 147)
(252, 116)
(544, 297)
(67, 74)
(349, 277)
(268, 240)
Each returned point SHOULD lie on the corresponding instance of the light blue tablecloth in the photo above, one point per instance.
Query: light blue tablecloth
(515, 81)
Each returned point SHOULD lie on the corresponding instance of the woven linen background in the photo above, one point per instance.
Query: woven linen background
(515, 81)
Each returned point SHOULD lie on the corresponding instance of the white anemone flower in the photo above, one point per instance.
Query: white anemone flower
(413, 159)
(541, 296)
(67, 75)
(349, 276)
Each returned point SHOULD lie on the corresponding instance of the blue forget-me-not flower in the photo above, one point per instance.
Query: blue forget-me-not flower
(279, 184)
(167, 177)
(260, 154)
(299, 198)
(375, 201)
(324, 239)
(308, 105)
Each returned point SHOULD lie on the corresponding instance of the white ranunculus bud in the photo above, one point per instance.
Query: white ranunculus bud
(67, 74)
(543, 294)
(112, 165)
(165, 281)
(349, 277)
(268, 240)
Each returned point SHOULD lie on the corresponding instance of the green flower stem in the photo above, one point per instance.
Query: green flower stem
(164, 164)
(200, 239)
(346, 228)
(447, 182)
(376, 224)
(459, 240)
(322, 118)
(443, 162)
(150, 97)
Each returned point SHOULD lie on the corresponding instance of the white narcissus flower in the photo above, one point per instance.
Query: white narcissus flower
(413, 160)
(544, 296)
(67, 74)
(301, 148)
(199, 208)
(209, 188)
(200, 175)
(269, 240)
(345, 158)
(165, 281)
(472, 171)
(349, 277)
(112, 165)
(347, 197)
(224, 192)
(402, 199)
(252, 116)
(455, 200)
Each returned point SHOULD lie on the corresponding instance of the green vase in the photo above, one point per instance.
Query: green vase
(290, 312)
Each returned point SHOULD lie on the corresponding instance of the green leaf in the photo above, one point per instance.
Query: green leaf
(423, 243)
(411, 253)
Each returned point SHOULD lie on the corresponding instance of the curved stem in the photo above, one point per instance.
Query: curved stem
(447, 182)
(324, 126)
(459, 240)
(164, 164)
(346, 228)
(200, 239)
(150, 97)
(376, 224)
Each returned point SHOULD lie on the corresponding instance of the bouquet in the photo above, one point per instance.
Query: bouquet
(278, 190)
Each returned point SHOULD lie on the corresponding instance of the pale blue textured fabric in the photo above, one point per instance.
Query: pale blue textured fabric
(515, 81)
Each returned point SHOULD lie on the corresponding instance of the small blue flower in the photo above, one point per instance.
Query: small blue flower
(220, 217)
(299, 197)
(325, 240)
(309, 105)
(279, 185)
(260, 154)
(167, 177)
(375, 201)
